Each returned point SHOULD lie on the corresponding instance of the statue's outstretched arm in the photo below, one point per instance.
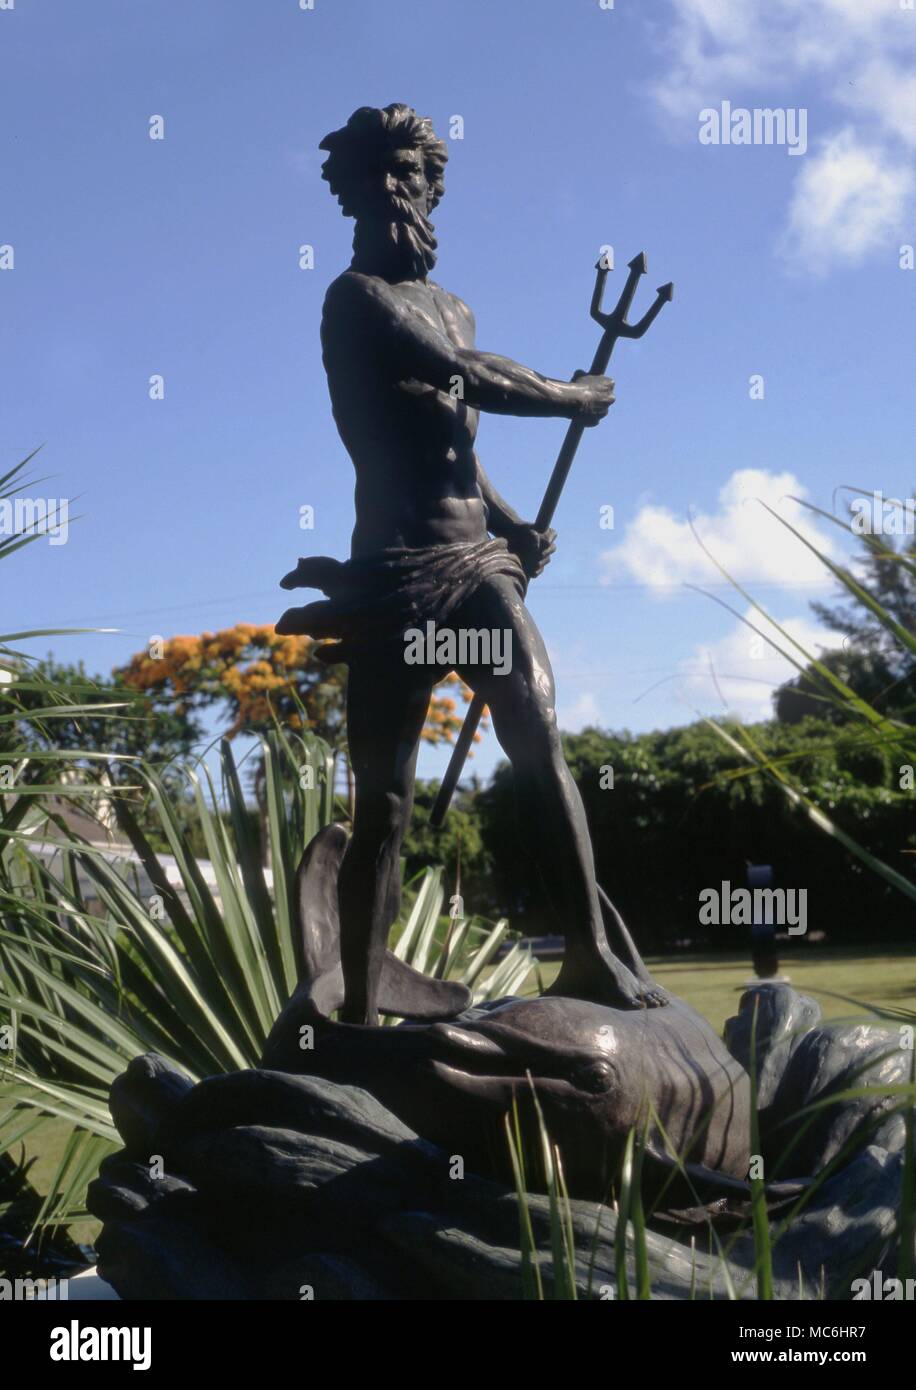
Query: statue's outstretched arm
(414, 349)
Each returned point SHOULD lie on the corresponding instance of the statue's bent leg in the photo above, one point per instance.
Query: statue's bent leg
(386, 710)
(550, 811)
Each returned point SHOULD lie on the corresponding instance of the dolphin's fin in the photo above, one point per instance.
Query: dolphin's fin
(411, 994)
(403, 991)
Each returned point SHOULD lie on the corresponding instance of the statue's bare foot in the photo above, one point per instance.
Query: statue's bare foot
(602, 979)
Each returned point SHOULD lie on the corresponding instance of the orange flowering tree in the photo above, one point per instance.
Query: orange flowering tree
(251, 673)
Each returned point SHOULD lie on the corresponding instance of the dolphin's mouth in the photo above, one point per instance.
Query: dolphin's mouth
(500, 1089)
(493, 1061)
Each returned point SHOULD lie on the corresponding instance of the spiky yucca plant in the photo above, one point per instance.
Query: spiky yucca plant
(103, 957)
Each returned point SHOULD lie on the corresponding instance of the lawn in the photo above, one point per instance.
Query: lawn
(842, 981)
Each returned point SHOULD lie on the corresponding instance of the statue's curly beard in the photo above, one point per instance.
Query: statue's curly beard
(401, 238)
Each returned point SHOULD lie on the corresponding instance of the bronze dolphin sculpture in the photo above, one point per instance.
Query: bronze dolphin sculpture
(597, 1072)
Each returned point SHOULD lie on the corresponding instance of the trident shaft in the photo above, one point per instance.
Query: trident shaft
(615, 327)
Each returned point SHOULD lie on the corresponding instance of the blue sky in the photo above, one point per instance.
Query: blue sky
(179, 257)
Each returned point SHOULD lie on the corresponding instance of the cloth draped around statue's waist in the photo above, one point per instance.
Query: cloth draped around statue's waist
(373, 600)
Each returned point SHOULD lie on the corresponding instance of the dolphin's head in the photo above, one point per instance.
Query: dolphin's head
(596, 1072)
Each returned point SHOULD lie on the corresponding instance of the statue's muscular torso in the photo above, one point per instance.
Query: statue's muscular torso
(411, 441)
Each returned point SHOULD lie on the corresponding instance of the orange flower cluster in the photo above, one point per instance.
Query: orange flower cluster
(251, 670)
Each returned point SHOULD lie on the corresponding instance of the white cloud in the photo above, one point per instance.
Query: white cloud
(861, 53)
(848, 198)
(712, 45)
(581, 713)
(739, 672)
(887, 91)
(573, 666)
(659, 548)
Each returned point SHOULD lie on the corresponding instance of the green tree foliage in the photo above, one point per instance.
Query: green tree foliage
(671, 814)
(878, 669)
(459, 847)
(142, 729)
(129, 725)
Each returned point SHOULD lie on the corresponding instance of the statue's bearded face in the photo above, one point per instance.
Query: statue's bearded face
(394, 208)
(403, 176)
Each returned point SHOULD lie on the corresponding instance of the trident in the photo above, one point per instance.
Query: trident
(615, 326)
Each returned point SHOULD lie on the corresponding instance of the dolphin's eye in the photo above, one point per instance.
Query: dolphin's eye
(595, 1076)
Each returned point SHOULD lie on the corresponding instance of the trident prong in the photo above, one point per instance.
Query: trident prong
(637, 267)
(615, 323)
(663, 295)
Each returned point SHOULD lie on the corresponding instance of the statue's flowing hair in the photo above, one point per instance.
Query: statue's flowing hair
(370, 131)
